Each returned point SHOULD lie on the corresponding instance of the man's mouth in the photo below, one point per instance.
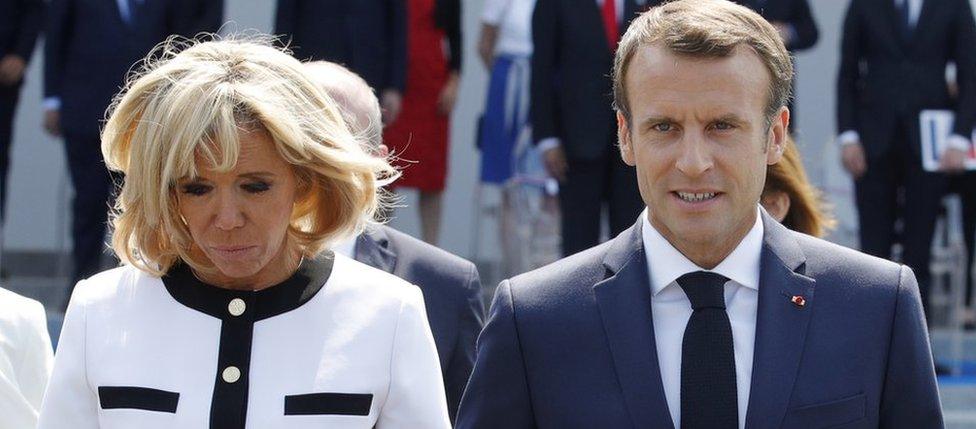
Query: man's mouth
(695, 197)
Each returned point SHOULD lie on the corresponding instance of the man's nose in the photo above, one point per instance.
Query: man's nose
(695, 158)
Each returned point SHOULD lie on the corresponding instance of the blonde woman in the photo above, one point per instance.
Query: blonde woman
(228, 311)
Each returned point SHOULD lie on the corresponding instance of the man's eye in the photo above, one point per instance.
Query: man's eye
(722, 126)
(662, 127)
(256, 187)
(195, 189)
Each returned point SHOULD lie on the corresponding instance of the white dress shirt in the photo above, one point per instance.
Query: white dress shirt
(25, 360)
(671, 309)
(337, 345)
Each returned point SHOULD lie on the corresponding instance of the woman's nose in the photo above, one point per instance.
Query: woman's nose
(230, 214)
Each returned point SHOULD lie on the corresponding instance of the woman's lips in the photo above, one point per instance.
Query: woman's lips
(234, 252)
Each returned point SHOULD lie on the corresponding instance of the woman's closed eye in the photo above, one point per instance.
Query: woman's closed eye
(195, 189)
(256, 187)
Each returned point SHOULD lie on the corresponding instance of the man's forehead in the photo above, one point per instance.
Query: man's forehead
(658, 58)
(665, 76)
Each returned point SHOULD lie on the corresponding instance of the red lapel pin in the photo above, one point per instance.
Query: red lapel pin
(798, 301)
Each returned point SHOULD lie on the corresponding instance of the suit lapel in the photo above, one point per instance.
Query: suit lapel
(781, 325)
(373, 249)
(924, 16)
(893, 23)
(624, 300)
(595, 19)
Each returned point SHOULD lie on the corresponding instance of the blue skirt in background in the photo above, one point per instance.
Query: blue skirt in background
(505, 120)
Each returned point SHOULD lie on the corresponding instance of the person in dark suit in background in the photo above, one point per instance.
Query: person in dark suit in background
(893, 64)
(368, 36)
(795, 24)
(20, 23)
(707, 313)
(451, 285)
(204, 16)
(573, 125)
(88, 49)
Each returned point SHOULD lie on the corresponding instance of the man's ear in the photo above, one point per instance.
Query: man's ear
(625, 141)
(778, 136)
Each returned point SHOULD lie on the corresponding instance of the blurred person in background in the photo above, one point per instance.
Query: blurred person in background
(20, 23)
(505, 48)
(205, 16)
(791, 199)
(572, 119)
(419, 137)
(450, 284)
(25, 360)
(528, 216)
(230, 310)
(368, 36)
(893, 65)
(796, 26)
(88, 49)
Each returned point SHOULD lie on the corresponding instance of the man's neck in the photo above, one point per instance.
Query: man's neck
(709, 253)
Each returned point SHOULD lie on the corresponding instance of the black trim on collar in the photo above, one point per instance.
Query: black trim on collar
(283, 297)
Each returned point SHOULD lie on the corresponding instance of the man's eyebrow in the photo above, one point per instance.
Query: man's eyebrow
(730, 117)
(656, 119)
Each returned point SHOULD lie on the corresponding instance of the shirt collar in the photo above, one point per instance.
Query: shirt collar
(668, 264)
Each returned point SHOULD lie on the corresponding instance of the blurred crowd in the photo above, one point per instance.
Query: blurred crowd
(547, 134)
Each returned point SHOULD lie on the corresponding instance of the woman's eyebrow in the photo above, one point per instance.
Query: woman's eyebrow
(257, 175)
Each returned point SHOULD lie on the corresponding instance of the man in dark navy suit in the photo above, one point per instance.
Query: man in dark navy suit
(88, 49)
(20, 23)
(893, 65)
(795, 24)
(572, 119)
(368, 36)
(203, 16)
(450, 284)
(707, 313)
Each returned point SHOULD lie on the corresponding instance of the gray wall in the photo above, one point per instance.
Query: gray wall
(39, 189)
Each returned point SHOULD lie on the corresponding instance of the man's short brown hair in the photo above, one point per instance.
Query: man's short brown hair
(709, 29)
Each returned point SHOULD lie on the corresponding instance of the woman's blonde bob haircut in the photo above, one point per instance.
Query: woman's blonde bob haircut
(192, 99)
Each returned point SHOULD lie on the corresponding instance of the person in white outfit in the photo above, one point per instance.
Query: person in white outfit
(25, 360)
(230, 311)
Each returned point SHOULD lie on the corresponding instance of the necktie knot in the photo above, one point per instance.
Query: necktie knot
(704, 289)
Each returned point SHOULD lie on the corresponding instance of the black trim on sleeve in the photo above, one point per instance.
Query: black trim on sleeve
(139, 398)
(345, 404)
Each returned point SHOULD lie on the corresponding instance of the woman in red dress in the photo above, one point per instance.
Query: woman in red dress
(419, 135)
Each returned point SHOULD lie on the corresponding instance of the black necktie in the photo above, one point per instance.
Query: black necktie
(708, 394)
